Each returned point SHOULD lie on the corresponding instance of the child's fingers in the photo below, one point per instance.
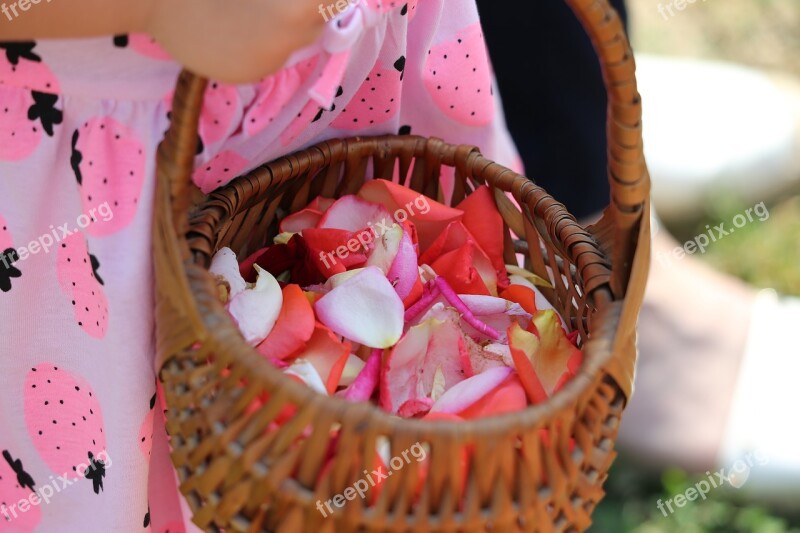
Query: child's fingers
(238, 41)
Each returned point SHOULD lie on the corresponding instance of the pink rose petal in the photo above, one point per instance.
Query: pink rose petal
(354, 214)
(464, 394)
(365, 309)
(366, 382)
(415, 407)
(410, 368)
(404, 272)
(386, 248)
(256, 310)
(497, 313)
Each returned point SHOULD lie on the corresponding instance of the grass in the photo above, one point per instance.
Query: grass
(631, 507)
(764, 254)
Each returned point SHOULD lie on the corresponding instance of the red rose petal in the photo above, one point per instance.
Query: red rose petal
(485, 224)
(294, 327)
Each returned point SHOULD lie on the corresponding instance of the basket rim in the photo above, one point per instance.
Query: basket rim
(597, 349)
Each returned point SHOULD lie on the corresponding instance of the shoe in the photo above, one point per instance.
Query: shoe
(716, 129)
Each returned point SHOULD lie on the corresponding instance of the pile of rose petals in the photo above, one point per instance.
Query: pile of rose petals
(388, 296)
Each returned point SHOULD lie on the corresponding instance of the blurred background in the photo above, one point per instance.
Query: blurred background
(744, 150)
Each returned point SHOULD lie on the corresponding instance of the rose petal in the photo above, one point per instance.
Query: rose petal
(502, 351)
(338, 279)
(514, 270)
(554, 352)
(415, 407)
(482, 358)
(462, 395)
(224, 264)
(466, 314)
(429, 217)
(333, 249)
(366, 382)
(523, 345)
(385, 248)
(256, 310)
(454, 236)
(467, 270)
(364, 309)
(352, 368)
(306, 372)
(482, 305)
(283, 238)
(293, 256)
(308, 217)
(276, 259)
(523, 296)
(509, 397)
(438, 385)
(498, 313)
(426, 273)
(430, 296)
(302, 220)
(294, 326)
(320, 203)
(328, 355)
(540, 302)
(404, 273)
(484, 223)
(410, 367)
(353, 214)
(414, 295)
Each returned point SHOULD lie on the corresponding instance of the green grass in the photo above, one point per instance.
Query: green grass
(765, 254)
(633, 493)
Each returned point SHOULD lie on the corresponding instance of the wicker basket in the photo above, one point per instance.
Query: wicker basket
(239, 475)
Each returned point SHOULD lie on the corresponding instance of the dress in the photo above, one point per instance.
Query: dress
(81, 429)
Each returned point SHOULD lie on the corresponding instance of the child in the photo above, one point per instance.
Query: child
(82, 438)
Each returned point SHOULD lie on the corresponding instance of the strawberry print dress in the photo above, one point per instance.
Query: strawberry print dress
(82, 432)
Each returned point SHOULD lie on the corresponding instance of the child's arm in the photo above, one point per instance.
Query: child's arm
(231, 41)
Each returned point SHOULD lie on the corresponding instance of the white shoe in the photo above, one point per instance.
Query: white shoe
(761, 446)
(713, 128)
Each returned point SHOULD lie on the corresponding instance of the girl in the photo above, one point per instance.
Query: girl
(83, 106)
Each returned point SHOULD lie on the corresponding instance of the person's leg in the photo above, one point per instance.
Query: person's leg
(692, 332)
(552, 89)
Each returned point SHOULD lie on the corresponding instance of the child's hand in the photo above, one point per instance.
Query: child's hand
(233, 41)
(229, 40)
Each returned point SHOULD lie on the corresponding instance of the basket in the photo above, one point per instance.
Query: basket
(238, 473)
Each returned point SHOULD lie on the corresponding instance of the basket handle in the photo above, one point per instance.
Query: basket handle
(620, 229)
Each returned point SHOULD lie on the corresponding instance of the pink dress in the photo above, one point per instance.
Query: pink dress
(81, 431)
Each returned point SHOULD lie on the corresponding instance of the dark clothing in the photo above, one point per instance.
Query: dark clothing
(554, 97)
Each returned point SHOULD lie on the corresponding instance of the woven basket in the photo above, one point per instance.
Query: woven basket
(239, 475)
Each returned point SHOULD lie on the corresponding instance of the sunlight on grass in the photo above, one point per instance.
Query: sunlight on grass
(765, 254)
